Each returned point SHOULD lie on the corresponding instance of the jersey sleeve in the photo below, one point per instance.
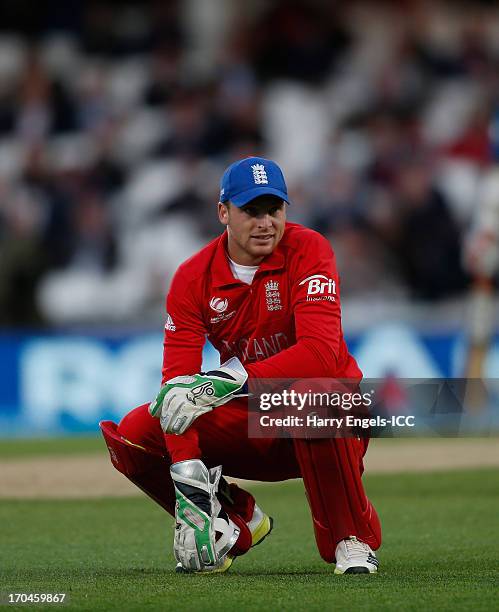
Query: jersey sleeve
(185, 331)
(315, 302)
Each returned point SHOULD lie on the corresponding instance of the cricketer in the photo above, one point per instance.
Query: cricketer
(266, 295)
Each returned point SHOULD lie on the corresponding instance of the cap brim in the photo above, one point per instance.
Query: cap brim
(246, 196)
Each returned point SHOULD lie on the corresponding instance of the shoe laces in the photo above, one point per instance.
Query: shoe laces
(356, 547)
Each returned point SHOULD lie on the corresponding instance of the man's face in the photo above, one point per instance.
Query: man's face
(255, 229)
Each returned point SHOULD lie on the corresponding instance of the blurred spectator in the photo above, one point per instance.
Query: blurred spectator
(165, 74)
(21, 255)
(93, 243)
(197, 128)
(422, 234)
(298, 40)
(34, 117)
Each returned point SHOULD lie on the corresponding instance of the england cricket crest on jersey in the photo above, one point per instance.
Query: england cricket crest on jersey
(272, 295)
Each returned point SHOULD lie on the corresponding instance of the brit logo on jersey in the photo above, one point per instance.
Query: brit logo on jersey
(169, 325)
(219, 305)
(320, 287)
(272, 295)
(259, 174)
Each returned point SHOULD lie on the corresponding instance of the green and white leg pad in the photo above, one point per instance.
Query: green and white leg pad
(204, 534)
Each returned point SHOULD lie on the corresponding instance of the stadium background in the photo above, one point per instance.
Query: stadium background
(116, 121)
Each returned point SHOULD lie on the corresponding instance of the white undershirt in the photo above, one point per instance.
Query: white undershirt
(243, 273)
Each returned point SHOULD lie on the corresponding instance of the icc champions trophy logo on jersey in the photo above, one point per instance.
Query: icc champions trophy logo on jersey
(219, 305)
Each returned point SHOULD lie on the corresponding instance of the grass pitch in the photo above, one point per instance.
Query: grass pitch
(440, 552)
(42, 447)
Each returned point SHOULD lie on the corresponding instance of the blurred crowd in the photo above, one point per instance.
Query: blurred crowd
(117, 120)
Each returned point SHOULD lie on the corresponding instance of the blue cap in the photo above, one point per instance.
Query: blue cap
(249, 178)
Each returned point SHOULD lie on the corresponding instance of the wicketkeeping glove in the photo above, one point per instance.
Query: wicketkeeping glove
(183, 399)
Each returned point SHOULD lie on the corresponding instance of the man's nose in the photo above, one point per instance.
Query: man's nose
(264, 220)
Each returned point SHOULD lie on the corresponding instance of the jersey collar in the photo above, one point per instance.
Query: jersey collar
(220, 269)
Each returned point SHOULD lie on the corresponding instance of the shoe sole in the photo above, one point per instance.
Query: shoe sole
(355, 570)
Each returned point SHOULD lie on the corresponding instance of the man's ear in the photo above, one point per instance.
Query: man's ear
(223, 213)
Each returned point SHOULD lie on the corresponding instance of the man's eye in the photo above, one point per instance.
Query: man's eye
(250, 211)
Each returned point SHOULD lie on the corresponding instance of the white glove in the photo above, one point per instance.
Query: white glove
(184, 398)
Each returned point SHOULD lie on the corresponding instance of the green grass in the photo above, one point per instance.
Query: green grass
(20, 448)
(33, 447)
(440, 552)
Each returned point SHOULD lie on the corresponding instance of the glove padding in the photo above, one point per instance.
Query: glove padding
(204, 534)
(184, 398)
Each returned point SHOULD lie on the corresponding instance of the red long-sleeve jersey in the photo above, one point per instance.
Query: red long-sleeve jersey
(286, 324)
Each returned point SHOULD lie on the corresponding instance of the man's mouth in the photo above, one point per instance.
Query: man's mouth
(263, 237)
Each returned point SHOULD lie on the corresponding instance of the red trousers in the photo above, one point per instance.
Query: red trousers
(331, 468)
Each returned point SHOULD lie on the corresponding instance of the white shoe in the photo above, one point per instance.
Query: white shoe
(355, 557)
